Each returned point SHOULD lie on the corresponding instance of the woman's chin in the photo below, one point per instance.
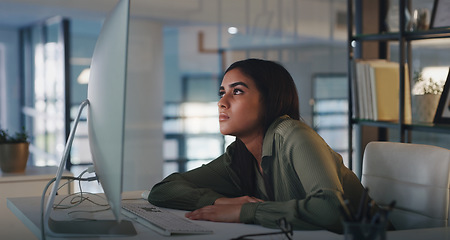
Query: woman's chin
(226, 131)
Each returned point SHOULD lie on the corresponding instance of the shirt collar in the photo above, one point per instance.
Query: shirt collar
(267, 150)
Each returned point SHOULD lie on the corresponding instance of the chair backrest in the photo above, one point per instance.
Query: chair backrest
(416, 176)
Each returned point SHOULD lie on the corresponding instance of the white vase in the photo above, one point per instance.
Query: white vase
(424, 107)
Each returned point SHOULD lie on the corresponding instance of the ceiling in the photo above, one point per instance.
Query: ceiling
(17, 13)
(269, 20)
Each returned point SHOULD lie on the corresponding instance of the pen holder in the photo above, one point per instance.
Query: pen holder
(364, 231)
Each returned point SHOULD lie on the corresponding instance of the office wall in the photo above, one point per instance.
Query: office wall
(182, 57)
(83, 36)
(302, 60)
(9, 80)
(311, 60)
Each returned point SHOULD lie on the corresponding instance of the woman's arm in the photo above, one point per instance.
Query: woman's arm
(314, 213)
(197, 188)
(314, 168)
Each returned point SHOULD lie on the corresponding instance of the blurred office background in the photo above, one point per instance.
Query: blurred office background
(178, 52)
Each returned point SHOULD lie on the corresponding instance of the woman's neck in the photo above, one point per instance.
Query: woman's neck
(254, 146)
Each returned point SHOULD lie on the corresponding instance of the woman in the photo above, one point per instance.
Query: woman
(277, 167)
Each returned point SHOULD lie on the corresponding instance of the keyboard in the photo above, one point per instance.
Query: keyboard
(160, 220)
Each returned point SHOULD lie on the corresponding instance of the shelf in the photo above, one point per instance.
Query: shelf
(402, 54)
(391, 36)
(429, 34)
(373, 123)
(429, 127)
(423, 127)
(409, 36)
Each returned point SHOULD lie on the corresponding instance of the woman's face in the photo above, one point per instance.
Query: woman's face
(240, 107)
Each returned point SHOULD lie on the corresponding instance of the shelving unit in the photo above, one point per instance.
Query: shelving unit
(404, 39)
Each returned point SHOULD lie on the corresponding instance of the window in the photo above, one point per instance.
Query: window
(45, 83)
(330, 110)
(192, 125)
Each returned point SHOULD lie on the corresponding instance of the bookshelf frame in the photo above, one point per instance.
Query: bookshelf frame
(382, 37)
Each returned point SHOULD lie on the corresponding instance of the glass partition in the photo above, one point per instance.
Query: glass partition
(44, 110)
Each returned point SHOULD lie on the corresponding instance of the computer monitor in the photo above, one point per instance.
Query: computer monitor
(106, 121)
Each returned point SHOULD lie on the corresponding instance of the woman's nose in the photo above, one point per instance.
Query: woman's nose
(222, 102)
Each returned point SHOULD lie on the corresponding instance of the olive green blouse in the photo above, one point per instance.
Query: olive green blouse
(307, 176)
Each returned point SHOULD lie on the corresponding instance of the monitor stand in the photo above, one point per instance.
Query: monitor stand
(79, 228)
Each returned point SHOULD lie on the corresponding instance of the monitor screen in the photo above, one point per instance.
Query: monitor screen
(106, 111)
(106, 121)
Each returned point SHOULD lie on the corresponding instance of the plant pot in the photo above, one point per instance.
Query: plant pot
(14, 157)
(424, 107)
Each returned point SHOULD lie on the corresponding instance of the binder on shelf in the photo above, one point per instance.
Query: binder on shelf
(354, 90)
(378, 89)
(368, 91)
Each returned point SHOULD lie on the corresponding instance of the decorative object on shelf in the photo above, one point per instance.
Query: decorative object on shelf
(14, 151)
(392, 17)
(440, 17)
(420, 20)
(424, 107)
(443, 110)
(426, 92)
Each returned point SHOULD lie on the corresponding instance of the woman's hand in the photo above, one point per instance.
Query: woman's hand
(238, 200)
(223, 210)
(217, 213)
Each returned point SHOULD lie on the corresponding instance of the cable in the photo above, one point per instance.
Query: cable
(42, 204)
(89, 170)
(71, 179)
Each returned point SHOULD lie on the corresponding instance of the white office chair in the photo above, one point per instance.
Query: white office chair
(416, 176)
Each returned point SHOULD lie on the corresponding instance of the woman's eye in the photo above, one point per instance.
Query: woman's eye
(237, 91)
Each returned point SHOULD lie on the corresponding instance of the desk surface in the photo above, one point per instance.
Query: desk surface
(28, 211)
(32, 173)
(27, 184)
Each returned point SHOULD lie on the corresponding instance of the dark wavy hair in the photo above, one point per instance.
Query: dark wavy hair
(279, 97)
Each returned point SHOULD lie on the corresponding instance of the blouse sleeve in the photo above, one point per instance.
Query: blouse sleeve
(318, 169)
(196, 188)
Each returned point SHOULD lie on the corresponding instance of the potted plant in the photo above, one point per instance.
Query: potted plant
(425, 97)
(14, 151)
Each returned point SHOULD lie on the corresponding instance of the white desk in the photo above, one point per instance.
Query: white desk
(27, 210)
(27, 184)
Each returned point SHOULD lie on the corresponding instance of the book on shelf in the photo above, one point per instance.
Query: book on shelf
(376, 90)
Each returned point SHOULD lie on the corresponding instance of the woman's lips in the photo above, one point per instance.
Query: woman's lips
(223, 117)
